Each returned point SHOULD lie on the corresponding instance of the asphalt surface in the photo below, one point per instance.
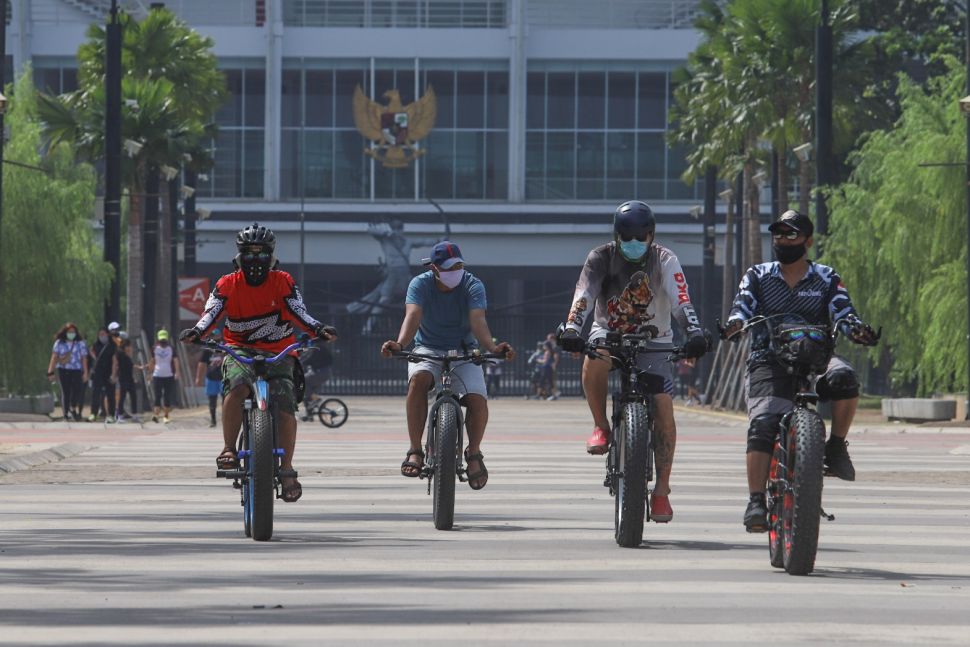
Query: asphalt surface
(121, 535)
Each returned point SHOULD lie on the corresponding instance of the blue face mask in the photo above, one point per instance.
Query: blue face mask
(633, 250)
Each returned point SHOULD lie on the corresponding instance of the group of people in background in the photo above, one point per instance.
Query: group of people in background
(544, 362)
(107, 367)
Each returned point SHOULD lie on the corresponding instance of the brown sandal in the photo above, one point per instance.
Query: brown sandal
(292, 491)
(481, 476)
(228, 460)
(410, 468)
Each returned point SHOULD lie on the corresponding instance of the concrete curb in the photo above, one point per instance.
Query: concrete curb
(41, 457)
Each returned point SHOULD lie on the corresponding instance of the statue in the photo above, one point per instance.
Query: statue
(395, 268)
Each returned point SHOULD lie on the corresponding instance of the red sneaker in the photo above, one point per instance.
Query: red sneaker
(660, 510)
(599, 442)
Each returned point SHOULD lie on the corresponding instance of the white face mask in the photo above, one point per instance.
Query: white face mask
(451, 279)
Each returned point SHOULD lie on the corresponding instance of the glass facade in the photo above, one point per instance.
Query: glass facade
(238, 147)
(599, 134)
(465, 155)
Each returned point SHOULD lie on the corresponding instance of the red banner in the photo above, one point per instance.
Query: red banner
(193, 293)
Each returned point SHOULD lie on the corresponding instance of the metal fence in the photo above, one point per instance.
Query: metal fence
(613, 14)
(193, 12)
(395, 13)
(359, 368)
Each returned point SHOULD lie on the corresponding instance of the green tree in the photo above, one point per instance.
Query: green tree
(49, 253)
(171, 88)
(898, 234)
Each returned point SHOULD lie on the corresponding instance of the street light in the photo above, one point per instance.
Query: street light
(696, 211)
(759, 178)
(803, 152)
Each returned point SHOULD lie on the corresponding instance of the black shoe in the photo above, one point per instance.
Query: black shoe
(837, 461)
(756, 515)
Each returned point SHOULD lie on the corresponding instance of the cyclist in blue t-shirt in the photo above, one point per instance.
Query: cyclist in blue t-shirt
(444, 311)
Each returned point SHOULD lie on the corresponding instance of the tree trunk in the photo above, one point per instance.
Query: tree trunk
(163, 298)
(136, 259)
(752, 218)
(784, 180)
(151, 251)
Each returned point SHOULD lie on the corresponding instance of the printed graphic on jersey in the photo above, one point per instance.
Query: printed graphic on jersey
(578, 313)
(628, 311)
(265, 329)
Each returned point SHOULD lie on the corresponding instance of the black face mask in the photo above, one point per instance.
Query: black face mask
(255, 266)
(788, 254)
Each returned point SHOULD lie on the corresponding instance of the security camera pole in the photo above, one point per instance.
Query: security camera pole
(823, 120)
(112, 161)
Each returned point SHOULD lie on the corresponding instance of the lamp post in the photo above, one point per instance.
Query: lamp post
(112, 161)
(3, 108)
(967, 38)
(823, 120)
(727, 279)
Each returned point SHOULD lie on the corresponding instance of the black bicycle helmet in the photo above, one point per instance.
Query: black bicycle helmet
(256, 246)
(256, 234)
(634, 219)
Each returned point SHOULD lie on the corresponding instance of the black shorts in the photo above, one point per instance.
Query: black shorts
(164, 388)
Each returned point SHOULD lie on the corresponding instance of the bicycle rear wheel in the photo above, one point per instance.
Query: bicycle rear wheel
(443, 452)
(333, 412)
(630, 483)
(261, 490)
(802, 502)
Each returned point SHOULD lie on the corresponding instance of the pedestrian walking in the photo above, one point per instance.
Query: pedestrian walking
(69, 357)
(123, 374)
(493, 375)
(102, 390)
(164, 369)
(209, 368)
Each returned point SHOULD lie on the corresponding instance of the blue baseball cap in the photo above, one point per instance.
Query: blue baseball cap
(445, 255)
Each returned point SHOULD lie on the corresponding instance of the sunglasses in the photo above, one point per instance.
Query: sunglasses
(642, 239)
(811, 333)
(787, 235)
(252, 257)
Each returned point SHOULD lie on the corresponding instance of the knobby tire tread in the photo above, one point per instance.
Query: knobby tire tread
(445, 451)
(630, 508)
(807, 485)
(264, 491)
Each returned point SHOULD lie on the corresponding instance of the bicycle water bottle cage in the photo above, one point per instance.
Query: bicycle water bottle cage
(803, 348)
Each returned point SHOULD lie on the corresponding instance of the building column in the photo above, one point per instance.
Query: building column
(517, 97)
(274, 100)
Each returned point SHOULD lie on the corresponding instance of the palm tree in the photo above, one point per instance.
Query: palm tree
(171, 89)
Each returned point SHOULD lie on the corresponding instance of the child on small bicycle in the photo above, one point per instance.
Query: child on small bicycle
(263, 308)
(444, 311)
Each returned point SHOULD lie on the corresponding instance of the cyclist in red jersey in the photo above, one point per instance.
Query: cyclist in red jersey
(263, 309)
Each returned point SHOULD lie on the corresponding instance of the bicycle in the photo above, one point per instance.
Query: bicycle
(443, 447)
(794, 488)
(629, 459)
(332, 412)
(258, 477)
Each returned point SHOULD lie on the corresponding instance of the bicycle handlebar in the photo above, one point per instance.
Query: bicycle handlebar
(303, 342)
(476, 358)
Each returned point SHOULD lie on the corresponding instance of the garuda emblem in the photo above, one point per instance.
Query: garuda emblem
(395, 128)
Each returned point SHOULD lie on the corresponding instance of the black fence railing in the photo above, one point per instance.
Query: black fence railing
(359, 368)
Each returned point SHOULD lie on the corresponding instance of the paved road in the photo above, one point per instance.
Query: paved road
(133, 542)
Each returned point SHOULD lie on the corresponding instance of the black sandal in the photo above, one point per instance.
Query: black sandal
(290, 493)
(227, 460)
(411, 465)
(478, 476)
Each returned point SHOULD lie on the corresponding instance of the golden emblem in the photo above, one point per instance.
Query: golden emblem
(394, 128)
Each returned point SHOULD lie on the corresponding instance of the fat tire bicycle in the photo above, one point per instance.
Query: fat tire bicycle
(796, 472)
(445, 437)
(630, 459)
(258, 450)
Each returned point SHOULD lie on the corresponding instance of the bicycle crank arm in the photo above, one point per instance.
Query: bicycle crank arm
(826, 515)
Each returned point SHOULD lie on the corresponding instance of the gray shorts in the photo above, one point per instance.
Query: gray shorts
(466, 377)
(653, 362)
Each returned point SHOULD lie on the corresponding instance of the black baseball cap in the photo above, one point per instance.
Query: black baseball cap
(794, 220)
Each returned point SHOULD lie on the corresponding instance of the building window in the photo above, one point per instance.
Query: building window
(600, 134)
(465, 156)
(55, 78)
(238, 147)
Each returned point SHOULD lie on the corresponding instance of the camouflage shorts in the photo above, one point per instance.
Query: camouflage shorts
(279, 375)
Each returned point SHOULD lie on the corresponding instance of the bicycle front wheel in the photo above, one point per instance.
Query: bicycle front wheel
(802, 501)
(333, 412)
(777, 484)
(630, 486)
(443, 450)
(261, 490)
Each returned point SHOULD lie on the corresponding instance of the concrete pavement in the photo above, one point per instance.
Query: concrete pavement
(134, 542)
